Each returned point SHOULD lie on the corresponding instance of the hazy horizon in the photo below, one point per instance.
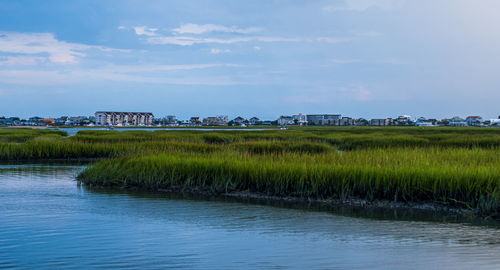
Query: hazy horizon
(358, 58)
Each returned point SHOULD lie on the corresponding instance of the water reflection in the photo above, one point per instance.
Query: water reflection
(48, 221)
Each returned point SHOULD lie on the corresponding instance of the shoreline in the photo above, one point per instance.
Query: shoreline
(353, 207)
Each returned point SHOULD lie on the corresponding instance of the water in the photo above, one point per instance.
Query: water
(48, 221)
(74, 131)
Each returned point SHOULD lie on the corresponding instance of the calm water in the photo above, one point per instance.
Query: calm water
(47, 221)
(73, 131)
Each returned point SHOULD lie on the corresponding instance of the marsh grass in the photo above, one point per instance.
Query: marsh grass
(451, 166)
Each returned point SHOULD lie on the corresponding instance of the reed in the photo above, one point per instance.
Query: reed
(453, 166)
(459, 177)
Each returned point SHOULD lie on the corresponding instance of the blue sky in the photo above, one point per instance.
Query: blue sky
(360, 58)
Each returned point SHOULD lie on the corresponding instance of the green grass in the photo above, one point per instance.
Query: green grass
(458, 177)
(452, 166)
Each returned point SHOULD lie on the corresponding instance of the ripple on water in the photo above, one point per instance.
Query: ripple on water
(48, 222)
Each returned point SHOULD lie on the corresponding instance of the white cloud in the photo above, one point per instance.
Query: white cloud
(121, 27)
(145, 31)
(192, 28)
(257, 48)
(327, 95)
(359, 93)
(218, 51)
(21, 60)
(332, 40)
(188, 41)
(369, 34)
(41, 44)
(162, 74)
(362, 5)
(344, 61)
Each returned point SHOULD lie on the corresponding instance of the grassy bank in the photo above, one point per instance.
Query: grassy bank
(458, 167)
(458, 177)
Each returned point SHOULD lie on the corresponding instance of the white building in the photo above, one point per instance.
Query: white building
(124, 118)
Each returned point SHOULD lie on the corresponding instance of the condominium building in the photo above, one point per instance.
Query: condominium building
(324, 119)
(124, 118)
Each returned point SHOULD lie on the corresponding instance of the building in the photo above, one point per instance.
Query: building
(285, 120)
(35, 121)
(346, 121)
(239, 120)
(378, 122)
(361, 122)
(389, 122)
(194, 121)
(424, 122)
(61, 121)
(495, 122)
(299, 119)
(220, 120)
(48, 121)
(14, 121)
(171, 120)
(457, 122)
(474, 120)
(124, 118)
(403, 120)
(323, 119)
(255, 121)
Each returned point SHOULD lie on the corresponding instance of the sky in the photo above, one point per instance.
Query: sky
(264, 58)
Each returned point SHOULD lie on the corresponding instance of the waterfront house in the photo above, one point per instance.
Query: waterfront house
(474, 120)
(403, 120)
(423, 122)
(285, 120)
(457, 122)
(254, 121)
(239, 120)
(35, 121)
(220, 120)
(299, 119)
(194, 121)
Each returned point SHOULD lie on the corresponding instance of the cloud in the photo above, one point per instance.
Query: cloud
(145, 31)
(359, 92)
(326, 95)
(21, 60)
(344, 61)
(218, 51)
(332, 40)
(363, 5)
(194, 29)
(197, 29)
(188, 40)
(257, 48)
(369, 34)
(161, 74)
(41, 44)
